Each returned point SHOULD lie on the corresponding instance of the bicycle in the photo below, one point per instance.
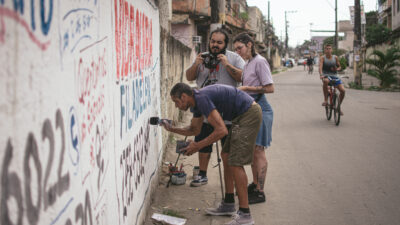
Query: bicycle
(334, 101)
(310, 69)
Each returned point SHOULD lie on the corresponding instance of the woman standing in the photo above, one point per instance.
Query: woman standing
(256, 81)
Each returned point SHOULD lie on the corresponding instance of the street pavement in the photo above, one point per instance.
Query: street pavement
(318, 173)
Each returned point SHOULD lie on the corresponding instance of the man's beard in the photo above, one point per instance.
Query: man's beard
(219, 52)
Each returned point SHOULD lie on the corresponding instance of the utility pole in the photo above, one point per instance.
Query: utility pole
(268, 12)
(357, 43)
(286, 30)
(269, 35)
(217, 14)
(286, 34)
(336, 26)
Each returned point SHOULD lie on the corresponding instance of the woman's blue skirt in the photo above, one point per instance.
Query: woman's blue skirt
(264, 137)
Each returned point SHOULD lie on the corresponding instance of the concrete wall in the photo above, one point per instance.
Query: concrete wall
(347, 42)
(383, 48)
(79, 80)
(395, 14)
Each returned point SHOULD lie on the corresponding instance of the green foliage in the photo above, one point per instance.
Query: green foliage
(343, 63)
(384, 66)
(371, 18)
(377, 34)
(244, 16)
(331, 40)
(355, 86)
(338, 52)
(174, 213)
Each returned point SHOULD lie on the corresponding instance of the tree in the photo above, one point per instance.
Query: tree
(377, 34)
(384, 65)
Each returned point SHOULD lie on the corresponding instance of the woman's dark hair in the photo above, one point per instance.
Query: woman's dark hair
(181, 88)
(246, 38)
(222, 31)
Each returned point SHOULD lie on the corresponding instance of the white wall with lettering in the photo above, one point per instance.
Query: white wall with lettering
(79, 80)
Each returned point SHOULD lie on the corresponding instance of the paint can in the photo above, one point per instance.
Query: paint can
(178, 178)
(196, 171)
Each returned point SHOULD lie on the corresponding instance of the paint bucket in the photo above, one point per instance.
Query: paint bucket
(178, 178)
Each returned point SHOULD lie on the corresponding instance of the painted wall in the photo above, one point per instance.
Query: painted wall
(79, 80)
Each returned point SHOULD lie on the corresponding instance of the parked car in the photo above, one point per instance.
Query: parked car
(300, 62)
(289, 62)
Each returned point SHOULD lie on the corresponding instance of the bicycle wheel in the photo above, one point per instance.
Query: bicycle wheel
(328, 109)
(336, 106)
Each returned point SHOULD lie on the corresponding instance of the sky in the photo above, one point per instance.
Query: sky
(320, 13)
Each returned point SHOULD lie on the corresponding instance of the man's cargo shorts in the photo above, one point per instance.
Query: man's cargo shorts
(242, 136)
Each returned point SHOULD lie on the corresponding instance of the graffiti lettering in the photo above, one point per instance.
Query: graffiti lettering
(89, 76)
(83, 213)
(133, 40)
(77, 24)
(134, 100)
(132, 163)
(17, 14)
(11, 185)
(11, 188)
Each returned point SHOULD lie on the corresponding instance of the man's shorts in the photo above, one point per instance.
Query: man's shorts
(206, 130)
(242, 136)
(333, 80)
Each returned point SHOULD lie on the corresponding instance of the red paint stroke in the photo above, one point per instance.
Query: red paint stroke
(15, 16)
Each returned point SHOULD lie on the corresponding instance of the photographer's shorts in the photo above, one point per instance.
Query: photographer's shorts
(206, 130)
(242, 136)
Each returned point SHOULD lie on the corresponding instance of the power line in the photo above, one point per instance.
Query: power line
(330, 4)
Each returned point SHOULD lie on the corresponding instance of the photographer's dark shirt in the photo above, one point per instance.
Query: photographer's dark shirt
(230, 102)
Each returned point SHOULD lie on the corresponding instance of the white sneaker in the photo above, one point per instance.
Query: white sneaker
(241, 218)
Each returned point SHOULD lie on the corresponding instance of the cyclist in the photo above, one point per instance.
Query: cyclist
(310, 64)
(328, 67)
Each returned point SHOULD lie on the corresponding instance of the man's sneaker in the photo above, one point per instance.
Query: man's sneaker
(201, 180)
(241, 218)
(251, 188)
(256, 197)
(224, 209)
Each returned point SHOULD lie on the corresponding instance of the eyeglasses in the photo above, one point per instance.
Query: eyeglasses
(238, 48)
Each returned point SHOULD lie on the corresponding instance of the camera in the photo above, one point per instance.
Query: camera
(158, 121)
(180, 145)
(210, 60)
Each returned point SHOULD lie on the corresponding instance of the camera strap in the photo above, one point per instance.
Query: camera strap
(207, 78)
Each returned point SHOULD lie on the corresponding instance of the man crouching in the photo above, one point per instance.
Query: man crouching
(218, 103)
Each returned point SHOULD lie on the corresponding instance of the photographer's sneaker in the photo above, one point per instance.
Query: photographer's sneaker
(198, 181)
(256, 197)
(224, 209)
(241, 218)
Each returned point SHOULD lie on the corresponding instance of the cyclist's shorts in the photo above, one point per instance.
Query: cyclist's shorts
(334, 80)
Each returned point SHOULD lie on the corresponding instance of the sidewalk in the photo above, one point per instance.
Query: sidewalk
(367, 81)
(186, 201)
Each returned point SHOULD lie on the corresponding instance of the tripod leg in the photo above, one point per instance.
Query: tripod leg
(220, 173)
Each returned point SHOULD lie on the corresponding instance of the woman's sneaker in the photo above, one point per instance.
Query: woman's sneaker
(200, 180)
(224, 209)
(241, 218)
(256, 197)
(251, 188)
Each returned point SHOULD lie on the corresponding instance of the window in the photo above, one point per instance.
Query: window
(398, 5)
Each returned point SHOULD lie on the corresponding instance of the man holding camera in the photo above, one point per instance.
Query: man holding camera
(217, 66)
(218, 103)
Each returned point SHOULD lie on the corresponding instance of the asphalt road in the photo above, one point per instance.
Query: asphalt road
(318, 173)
